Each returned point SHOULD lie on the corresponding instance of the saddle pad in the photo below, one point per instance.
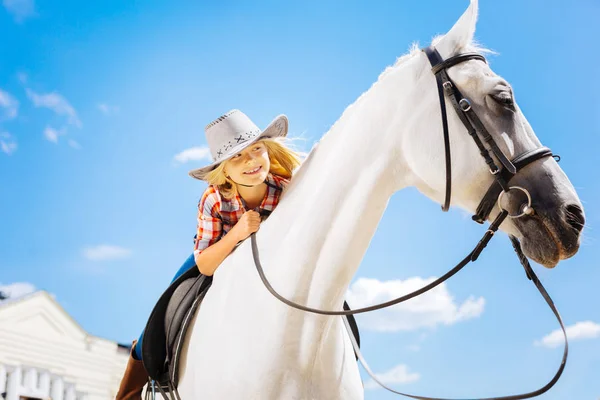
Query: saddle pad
(182, 318)
(155, 349)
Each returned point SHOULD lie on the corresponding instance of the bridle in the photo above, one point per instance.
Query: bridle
(500, 186)
(469, 118)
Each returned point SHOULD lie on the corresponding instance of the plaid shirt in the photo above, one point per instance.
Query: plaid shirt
(217, 215)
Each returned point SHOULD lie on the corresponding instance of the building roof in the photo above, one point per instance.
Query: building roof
(42, 308)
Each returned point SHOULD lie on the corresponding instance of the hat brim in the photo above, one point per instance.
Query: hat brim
(277, 128)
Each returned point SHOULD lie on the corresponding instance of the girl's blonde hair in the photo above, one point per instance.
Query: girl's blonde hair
(284, 160)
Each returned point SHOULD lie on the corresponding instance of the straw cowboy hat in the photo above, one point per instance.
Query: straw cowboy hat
(233, 132)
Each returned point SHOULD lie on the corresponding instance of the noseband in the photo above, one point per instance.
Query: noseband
(502, 176)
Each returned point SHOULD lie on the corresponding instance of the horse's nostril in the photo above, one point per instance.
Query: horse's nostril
(575, 217)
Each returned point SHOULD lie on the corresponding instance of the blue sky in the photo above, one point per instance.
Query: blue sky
(99, 102)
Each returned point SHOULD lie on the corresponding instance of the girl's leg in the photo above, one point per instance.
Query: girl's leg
(187, 264)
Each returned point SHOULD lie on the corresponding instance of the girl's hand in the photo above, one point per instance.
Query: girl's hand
(247, 225)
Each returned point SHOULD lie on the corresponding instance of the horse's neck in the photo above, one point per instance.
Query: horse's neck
(325, 221)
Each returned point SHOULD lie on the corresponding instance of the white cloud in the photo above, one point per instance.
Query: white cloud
(74, 144)
(579, 331)
(9, 105)
(397, 375)
(22, 77)
(20, 9)
(107, 109)
(52, 134)
(105, 252)
(428, 310)
(194, 154)
(7, 144)
(18, 289)
(56, 103)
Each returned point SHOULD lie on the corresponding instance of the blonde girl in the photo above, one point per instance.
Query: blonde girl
(249, 171)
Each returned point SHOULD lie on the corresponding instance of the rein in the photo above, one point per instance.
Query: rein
(502, 176)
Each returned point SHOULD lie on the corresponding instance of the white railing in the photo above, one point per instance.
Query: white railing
(18, 381)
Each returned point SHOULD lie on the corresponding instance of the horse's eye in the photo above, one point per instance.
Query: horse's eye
(505, 99)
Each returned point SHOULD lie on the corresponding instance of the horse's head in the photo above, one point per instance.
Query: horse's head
(552, 232)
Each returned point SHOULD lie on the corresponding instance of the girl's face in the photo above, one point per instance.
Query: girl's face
(250, 166)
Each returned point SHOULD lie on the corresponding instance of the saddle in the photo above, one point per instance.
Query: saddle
(169, 322)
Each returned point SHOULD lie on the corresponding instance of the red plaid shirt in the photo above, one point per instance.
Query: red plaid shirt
(217, 215)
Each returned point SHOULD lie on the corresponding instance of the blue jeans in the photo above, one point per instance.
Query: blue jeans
(187, 264)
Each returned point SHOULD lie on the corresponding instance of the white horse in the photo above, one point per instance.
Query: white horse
(245, 344)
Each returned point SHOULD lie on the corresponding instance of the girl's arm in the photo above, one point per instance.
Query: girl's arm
(209, 259)
(212, 246)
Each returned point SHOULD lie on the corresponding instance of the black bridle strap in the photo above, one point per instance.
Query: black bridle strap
(455, 97)
(530, 156)
(479, 127)
(441, 65)
(436, 59)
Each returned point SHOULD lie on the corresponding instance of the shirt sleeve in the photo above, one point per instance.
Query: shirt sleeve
(210, 226)
(281, 181)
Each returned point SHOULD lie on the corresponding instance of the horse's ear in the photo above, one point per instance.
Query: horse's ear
(461, 33)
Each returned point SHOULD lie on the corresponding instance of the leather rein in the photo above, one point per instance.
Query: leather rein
(502, 174)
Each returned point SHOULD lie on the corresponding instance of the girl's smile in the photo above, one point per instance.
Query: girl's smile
(254, 171)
